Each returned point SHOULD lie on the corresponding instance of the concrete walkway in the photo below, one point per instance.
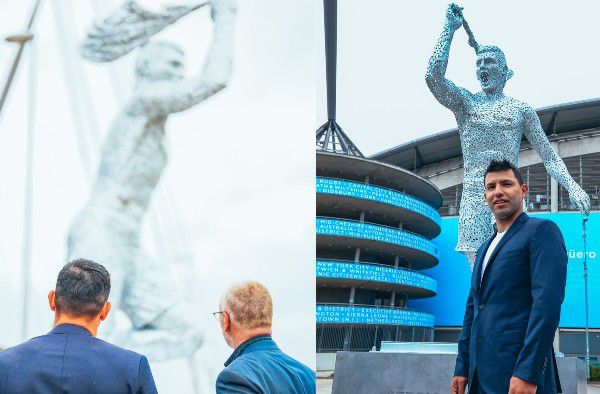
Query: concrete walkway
(324, 386)
(594, 388)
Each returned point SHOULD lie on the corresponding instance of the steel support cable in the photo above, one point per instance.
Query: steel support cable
(84, 150)
(83, 84)
(28, 192)
(179, 223)
(17, 59)
(157, 226)
(114, 70)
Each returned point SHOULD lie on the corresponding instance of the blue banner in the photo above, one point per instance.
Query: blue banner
(347, 228)
(372, 315)
(374, 273)
(453, 274)
(379, 194)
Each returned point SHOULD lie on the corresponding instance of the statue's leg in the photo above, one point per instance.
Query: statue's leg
(164, 325)
(90, 237)
(471, 255)
(475, 223)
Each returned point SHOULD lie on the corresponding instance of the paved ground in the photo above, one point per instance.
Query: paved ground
(324, 387)
(594, 388)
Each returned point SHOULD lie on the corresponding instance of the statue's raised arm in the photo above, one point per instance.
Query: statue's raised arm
(552, 161)
(444, 90)
(180, 94)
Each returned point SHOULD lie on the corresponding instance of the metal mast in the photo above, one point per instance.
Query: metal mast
(587, 325)
(330, 136)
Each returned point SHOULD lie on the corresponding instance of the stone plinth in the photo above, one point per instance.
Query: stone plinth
(404, 373)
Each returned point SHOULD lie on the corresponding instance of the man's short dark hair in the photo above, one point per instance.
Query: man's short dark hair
(82, 288)
(503, 165)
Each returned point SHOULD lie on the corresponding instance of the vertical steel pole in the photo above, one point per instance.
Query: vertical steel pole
(585, 281)
(29, 162)
(330, 13)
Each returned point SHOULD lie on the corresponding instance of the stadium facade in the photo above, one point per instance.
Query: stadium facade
(374, 227)
(574, 131)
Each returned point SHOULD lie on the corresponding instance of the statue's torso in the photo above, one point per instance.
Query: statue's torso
(133, 159)
(489, 130)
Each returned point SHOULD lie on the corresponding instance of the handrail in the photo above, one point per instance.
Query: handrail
(381, 187)
(377, 264)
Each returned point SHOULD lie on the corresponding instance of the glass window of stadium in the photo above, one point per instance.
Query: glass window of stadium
(584, 169)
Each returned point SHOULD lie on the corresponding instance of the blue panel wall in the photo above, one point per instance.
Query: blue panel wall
(453, 273)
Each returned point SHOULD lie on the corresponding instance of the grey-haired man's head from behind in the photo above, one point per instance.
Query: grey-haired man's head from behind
(82, 288)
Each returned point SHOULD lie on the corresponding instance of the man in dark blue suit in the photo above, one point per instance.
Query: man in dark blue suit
(70, 359)
(257, 365)
(517, 288)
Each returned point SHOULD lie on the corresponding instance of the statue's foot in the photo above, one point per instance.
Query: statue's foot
(173, 334)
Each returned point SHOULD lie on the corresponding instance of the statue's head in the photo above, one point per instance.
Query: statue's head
(159, 60)
(492, 71)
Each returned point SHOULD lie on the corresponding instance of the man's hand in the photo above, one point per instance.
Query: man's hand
(458, 385)
(520, 386)
(453, 17)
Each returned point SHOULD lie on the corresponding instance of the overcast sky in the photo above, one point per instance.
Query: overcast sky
(241, 169)
(384, 46)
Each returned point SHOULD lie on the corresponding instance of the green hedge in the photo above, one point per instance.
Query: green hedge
(594, 373)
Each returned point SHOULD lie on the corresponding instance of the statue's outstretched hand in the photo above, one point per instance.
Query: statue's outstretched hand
(580, 199)
(222, 7)
(454, 17)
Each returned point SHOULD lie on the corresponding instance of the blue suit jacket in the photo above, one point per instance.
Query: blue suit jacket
(70, 360)
(512, 314)
(258, 366)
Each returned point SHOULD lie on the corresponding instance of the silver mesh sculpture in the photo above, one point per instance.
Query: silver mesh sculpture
(149, 314)
(491, 126)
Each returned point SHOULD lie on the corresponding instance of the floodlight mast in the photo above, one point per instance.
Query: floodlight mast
(330, 14)
(330, 136)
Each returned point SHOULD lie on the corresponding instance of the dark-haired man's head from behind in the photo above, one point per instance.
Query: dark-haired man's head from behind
(504, 191)
(81, 295)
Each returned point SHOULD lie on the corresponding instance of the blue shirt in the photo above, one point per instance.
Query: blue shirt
(258, 366)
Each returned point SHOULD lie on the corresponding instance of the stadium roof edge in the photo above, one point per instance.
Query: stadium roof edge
(555, 119)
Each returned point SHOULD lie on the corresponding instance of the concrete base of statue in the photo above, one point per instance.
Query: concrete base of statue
(431, 373)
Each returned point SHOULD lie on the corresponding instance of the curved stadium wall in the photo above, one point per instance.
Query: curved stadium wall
(374, 231)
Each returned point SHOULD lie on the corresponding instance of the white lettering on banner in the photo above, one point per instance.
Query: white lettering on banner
(577, 254)
(374, 193)
(345, 270)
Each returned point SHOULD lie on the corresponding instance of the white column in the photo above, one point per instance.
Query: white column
(554, 186)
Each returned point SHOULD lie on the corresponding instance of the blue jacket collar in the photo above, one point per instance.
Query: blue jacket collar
(259, 342)
(70, 329)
